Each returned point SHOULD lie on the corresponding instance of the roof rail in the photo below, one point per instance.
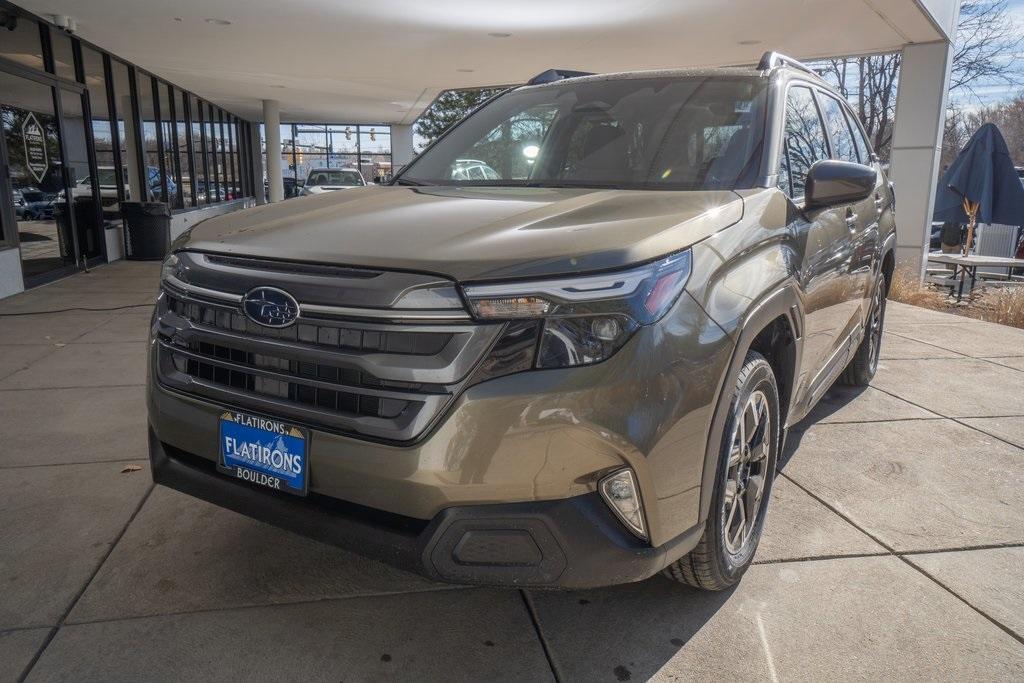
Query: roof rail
(552, 75)
(770, 60)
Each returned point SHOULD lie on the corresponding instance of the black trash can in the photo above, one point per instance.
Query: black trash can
(148, 229)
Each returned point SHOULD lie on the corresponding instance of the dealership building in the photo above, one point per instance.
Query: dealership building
(108, 103)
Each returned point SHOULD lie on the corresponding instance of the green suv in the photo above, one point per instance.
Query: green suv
(574, 368)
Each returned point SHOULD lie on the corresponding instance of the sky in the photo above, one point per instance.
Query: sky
(995, 92)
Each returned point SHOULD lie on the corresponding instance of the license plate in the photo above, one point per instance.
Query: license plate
(264, 452)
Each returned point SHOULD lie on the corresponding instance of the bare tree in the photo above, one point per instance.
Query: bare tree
(986, 36)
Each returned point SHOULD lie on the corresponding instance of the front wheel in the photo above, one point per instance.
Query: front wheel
(743, 483)
(864, 365)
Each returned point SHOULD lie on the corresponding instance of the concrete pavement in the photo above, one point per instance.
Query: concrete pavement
(893, 549)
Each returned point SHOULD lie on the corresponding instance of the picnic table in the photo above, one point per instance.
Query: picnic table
(968, 266)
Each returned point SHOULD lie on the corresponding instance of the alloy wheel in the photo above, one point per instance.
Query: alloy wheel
(749, 449)
(875, 325)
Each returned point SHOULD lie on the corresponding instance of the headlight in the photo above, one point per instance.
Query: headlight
(169, 268)
(573, 321)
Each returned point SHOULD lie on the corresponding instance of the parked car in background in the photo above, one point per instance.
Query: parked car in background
(18, 200)
(577, 370)
(107, 180)
(36, 204)
(322, 180)
(473, 169)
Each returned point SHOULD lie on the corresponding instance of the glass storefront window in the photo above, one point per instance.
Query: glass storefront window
(150, 149)
(72, 155)
(123, 104)
(310, 149)
(88, 233)
(169, 138)
(106, 179)
(32, 137)
(212, 154)
(22, 45)
(229, 129)
(199, 164)
(63, 55)
(338, 145)
(243, 158)
(179, 149)
(374, 151)
(344, 146)
(288, 157)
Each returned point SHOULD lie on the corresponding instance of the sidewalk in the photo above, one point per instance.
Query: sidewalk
(893, 549)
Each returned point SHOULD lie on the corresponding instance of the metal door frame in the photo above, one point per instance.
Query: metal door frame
(56, 84)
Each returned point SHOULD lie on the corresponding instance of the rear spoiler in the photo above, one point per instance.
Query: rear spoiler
(552, 75)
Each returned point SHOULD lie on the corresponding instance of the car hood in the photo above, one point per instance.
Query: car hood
(472, 234)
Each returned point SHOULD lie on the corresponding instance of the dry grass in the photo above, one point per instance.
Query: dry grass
(1003, 305)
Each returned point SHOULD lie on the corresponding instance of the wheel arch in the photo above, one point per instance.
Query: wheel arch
(774, 328)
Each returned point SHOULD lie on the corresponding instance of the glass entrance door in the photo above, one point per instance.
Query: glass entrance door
(43, 171)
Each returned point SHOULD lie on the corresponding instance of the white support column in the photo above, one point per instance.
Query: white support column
(917, 146)
(272, 121)
(256, 152)
(402, 150)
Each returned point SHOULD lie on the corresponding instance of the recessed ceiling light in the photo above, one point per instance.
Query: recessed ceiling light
(218, 22)
(749, 42)
(465, 71)
(499, 35)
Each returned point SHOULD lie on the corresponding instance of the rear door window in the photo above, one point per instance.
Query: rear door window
(843, 147)
(803, 141)
(863, 149)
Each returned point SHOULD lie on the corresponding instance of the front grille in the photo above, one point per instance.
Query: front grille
(229, 367)
(379, 380)
(331, 336)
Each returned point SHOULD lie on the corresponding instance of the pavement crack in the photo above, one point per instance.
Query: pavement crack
(535, 619)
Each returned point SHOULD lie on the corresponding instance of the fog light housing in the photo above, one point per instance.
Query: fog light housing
(620, 491)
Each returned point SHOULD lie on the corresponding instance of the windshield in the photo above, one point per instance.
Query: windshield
(333, 177)
(671, 133)
(106, 176)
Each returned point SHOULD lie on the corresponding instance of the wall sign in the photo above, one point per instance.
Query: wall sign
(36, 157)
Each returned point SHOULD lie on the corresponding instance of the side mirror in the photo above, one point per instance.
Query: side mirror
(831, 182)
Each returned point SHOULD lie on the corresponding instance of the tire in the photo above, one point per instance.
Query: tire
(725, 550)
(864, 364)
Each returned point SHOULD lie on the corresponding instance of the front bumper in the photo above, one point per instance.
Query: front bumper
(569, 543)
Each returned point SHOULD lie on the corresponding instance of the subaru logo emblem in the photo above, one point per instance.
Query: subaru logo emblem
(270, 307)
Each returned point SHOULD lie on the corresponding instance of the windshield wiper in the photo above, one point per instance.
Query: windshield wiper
(406, 181)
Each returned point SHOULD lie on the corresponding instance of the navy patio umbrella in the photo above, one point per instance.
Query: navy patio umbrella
(981, 185)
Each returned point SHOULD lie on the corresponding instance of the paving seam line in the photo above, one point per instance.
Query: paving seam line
(959, 420)
(899, 556)
(99, 565)
(440, 588)
(962, 356)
